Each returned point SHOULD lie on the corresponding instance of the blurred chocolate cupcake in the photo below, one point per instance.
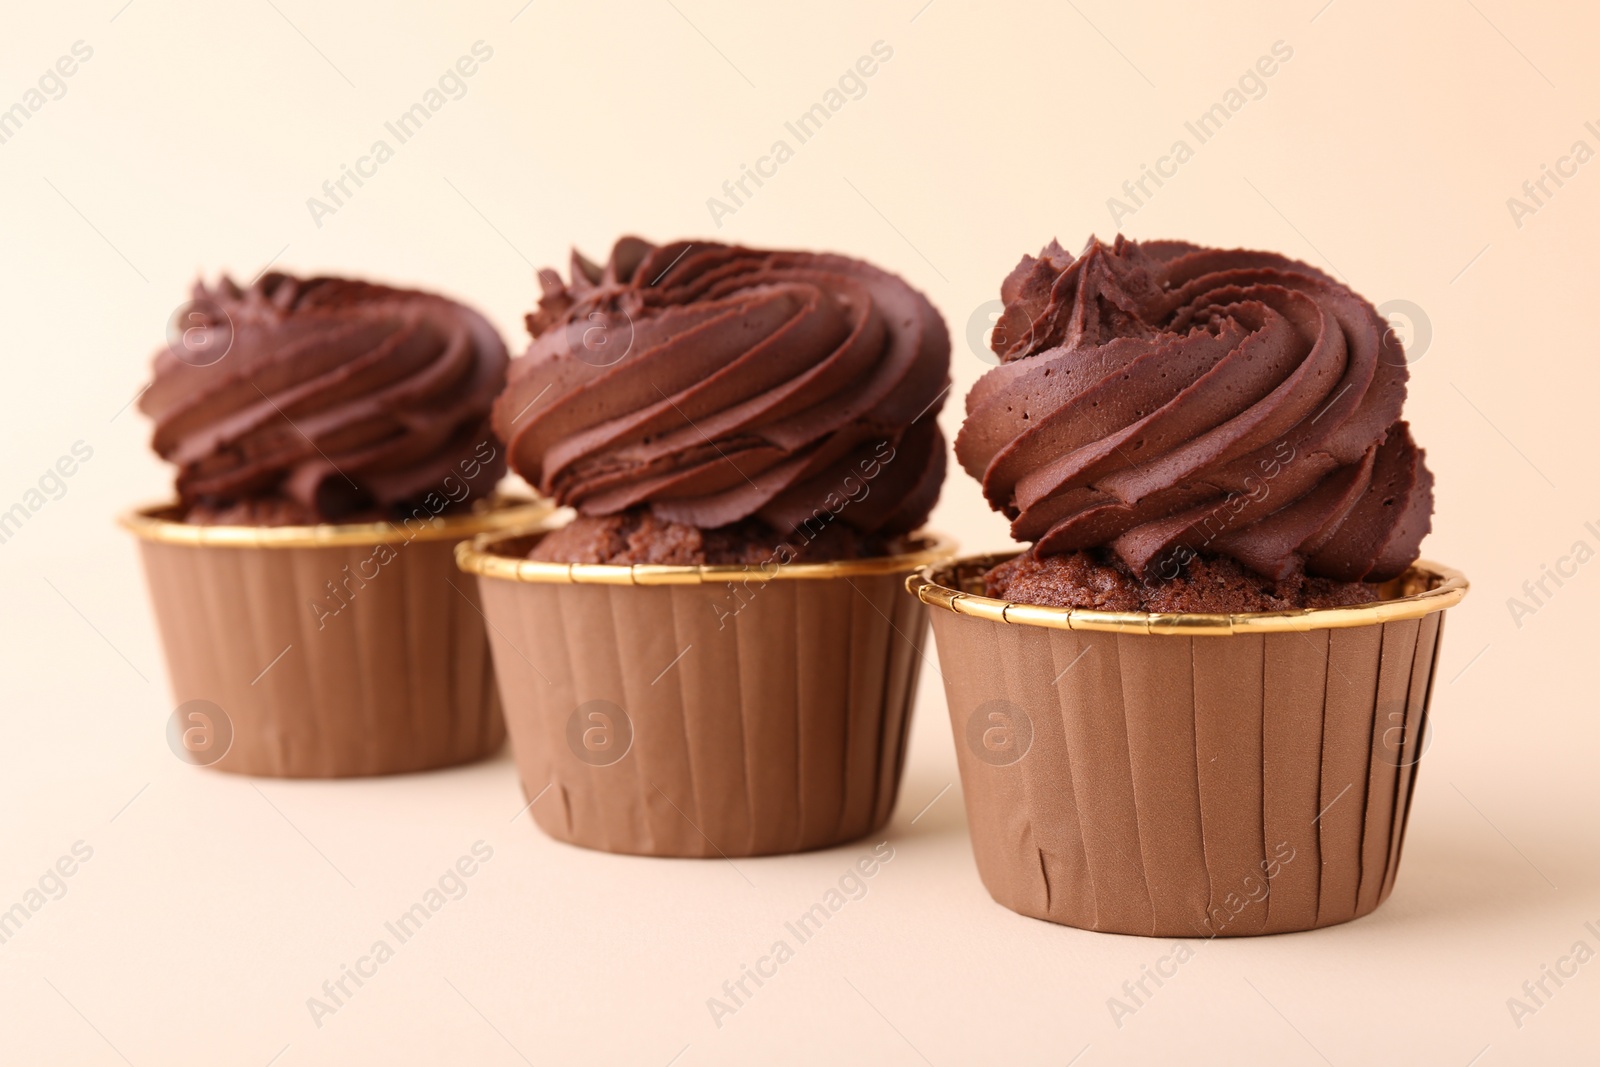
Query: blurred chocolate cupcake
(332, 442)
(1217, 654)
(751, 436)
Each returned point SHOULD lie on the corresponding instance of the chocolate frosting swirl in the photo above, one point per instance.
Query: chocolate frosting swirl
(334, 399)
(713, 383)
(1164, 400)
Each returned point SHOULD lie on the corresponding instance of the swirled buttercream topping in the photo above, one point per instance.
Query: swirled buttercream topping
(327, 399)
(711, 384)
(1165, 401)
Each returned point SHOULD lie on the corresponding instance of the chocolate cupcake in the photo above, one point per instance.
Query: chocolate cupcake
(715, 657)
(1195, 705)
(332, 441)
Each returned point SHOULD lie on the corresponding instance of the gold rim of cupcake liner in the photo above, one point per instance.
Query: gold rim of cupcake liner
(1423, 589)
(157, 522)
(478, 556)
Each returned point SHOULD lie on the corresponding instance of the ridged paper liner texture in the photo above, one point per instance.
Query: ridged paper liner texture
(762, 718)
(393, 674)
(1181, 786)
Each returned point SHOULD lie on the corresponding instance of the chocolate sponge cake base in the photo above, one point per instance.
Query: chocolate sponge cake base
(1209, 584)
(277, 510)
(638, 536)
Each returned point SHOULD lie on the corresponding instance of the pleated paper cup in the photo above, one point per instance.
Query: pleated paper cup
(705, 711)
(325, 651)
(1188, 775)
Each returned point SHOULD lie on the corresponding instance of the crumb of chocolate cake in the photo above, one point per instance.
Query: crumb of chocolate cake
(262, 511)
(639, 536)
(1209, 584)
(286, 511)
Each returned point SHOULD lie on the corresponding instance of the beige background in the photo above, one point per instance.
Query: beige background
(212, 907)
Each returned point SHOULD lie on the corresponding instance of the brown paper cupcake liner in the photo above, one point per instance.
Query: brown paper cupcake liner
(1188, 776)
(704, 711)
(329, 651)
